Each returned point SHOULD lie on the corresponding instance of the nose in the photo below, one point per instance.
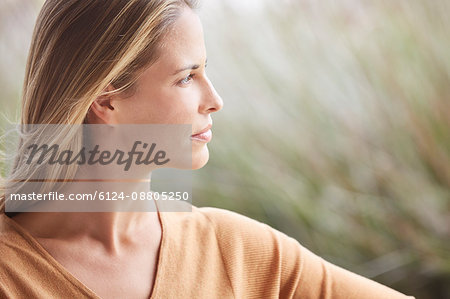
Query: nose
(211, 100)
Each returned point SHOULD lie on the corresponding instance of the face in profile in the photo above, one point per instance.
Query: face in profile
(175, 89)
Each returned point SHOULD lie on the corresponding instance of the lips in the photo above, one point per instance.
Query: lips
(208, 127)
(204, 135)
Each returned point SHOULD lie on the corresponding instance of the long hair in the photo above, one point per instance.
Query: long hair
(80, 47)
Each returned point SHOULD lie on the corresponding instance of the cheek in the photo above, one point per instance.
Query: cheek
(135, 111)
(176, 112)
(176, 107)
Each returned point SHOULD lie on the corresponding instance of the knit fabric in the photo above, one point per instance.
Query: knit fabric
(206, 253)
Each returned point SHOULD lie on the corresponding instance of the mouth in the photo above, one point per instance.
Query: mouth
(204, 135)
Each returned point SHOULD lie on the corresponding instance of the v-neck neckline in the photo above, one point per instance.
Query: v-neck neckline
(75, 281)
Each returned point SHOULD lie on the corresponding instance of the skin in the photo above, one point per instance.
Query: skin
(127, 244)
(162, 97)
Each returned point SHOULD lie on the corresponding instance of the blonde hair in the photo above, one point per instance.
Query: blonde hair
(80, 47)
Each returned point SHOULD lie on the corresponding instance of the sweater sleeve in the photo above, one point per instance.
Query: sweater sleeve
(262, 262)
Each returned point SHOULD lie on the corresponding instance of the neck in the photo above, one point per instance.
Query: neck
(113, 230)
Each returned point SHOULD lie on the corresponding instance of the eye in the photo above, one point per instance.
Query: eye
(187, 80)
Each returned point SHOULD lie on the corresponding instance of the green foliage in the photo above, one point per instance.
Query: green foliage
(335, 131)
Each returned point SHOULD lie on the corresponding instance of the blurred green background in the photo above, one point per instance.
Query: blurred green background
(335, 127)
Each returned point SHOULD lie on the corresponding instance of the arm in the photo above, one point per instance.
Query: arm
(313, 277)
(264, 262)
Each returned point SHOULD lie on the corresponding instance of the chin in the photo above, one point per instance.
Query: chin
(200, 158)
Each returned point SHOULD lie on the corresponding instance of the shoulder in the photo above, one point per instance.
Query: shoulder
(8, 233)
(256, 243)
(242, 240)
(270, 262)
(225, 223)
(13, 243)
(218, 216)
(256, 256)
(231, 227)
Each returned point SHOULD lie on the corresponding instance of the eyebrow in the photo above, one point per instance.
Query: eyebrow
(189, 67)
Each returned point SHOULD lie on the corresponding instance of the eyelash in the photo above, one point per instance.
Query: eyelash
(188, 77)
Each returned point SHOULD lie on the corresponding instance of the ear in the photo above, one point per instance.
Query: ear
(102, 109)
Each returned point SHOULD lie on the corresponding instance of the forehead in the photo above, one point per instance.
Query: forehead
(184, 42)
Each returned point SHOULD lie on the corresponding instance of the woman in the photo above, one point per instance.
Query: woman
(143, 62)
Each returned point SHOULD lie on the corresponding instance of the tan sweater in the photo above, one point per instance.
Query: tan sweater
(206, 253)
